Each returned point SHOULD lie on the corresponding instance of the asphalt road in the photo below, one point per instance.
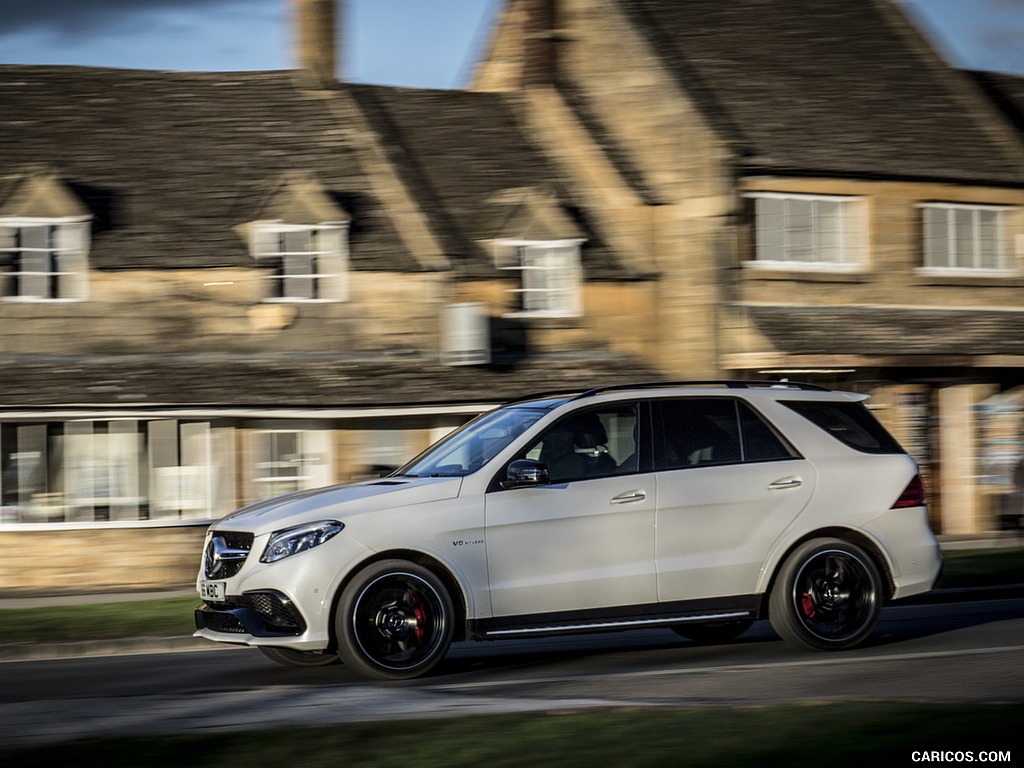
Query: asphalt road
(960, 652)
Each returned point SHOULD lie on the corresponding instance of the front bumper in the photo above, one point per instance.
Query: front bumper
(259, 614)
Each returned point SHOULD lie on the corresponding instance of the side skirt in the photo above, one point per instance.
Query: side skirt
(738, 608)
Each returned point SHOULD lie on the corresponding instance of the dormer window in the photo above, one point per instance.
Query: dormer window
(307, 262)
(548, 276)
(44, 259)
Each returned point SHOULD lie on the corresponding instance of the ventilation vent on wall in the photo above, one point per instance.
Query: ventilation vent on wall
(465, 335)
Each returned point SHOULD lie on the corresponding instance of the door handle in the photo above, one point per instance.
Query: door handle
(629, 497)
(785, 483)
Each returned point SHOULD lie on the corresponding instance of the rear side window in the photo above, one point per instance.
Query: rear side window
(848, 422)
(697, 431)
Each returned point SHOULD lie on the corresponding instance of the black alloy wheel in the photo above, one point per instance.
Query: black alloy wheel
(828, 596)
(395, 621)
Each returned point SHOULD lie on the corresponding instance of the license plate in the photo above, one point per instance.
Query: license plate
(213, 590)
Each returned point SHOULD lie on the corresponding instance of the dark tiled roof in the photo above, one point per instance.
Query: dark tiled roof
(889, 332)
(1006, 92)
(294, 381)
(169, 162)
(837, 87)
(458, 152)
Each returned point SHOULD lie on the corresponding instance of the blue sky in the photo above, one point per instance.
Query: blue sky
(424, 43)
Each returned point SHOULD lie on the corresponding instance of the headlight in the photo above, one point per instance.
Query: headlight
(291, 541)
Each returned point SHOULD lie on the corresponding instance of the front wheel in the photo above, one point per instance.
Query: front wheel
(828, 596)
(395, 621)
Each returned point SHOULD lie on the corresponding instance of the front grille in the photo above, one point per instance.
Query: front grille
(226, 553)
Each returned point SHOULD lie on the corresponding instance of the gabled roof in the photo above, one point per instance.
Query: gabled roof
(461, 153)
(173, 165)
(170, 163)
(836, 87)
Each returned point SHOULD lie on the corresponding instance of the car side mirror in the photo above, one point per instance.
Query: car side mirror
(523, 473)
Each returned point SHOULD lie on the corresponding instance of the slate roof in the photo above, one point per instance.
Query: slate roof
(889, 332)
(458, 152)
(828, 87)
(1006, 92)
(169, 162)
(294, 381)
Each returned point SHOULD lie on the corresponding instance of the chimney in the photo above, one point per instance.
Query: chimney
(540, 54)
(317, 35)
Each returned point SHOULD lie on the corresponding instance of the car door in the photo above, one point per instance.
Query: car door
(728, 485)
(586, 539)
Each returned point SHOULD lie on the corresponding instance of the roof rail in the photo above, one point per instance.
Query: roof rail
(578, 394)
(729, 383)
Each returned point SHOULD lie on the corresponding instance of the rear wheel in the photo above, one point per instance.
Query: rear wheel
(292, 658)
(828, 596)
(395, 621)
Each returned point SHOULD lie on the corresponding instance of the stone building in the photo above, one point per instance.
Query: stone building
(820, 195)
(217, 287)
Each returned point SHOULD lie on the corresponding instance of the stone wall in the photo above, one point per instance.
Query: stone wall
(85, 560)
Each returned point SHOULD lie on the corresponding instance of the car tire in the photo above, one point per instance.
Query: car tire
(289, 657)
(395, 621)
(828, 596)
(713, 632)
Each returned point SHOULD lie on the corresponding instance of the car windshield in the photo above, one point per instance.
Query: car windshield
(474, 444)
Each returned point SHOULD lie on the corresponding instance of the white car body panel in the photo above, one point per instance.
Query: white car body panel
(716, 523)
(588, 544)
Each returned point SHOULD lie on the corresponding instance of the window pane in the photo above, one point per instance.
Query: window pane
(936, 234)
(598, 443)
(760, 442)
(299, 282)
(799, 231)
(828, 220)
(770, 241)
(697, 431)
(849, 422)
(989, 240)
(964, 244)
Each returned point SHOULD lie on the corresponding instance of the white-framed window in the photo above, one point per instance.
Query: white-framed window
(964, 238)
(310, 263)
(43, 259)
(810, 231)
(549, 276)
(286, 460)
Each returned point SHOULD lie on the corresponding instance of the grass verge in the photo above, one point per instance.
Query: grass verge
(792, 735)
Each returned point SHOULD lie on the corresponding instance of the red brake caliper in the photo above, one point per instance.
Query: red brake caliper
(807, 605)
(421, 619)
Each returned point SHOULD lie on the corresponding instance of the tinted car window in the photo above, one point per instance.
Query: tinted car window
(595, 443)
(849, 422)
(702, 431)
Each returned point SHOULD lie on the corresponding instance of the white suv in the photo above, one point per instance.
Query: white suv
(697, 506)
